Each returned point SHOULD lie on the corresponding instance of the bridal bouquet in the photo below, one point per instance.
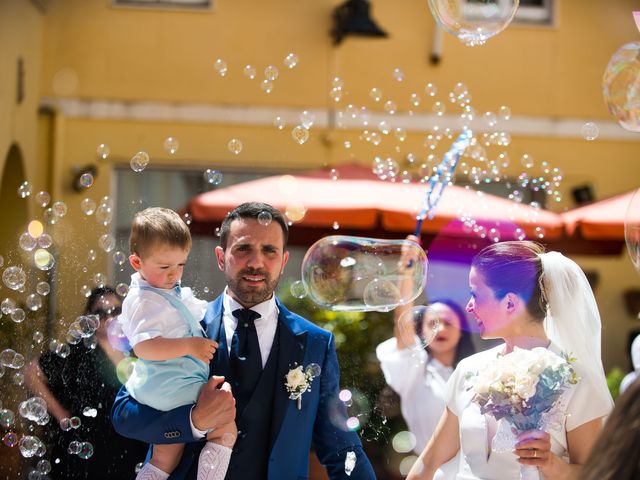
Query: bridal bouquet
(523, 388)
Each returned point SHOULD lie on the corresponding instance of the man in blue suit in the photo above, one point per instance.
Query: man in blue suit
(261, 343)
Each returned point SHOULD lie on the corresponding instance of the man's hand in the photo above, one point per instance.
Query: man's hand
(201, 348)
(215, 406)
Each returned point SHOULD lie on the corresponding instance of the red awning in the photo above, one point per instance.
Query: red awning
(603, 220)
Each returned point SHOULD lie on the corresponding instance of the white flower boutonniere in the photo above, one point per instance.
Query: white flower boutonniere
(299, 381)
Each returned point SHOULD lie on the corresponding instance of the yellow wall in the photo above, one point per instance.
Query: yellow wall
(91, 50)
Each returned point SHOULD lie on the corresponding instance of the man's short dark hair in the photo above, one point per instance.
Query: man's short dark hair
(252, 210)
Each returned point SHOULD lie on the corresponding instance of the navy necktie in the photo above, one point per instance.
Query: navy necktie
(245, 358)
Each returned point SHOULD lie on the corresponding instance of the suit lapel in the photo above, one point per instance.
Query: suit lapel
(293, 342)
(214, 328)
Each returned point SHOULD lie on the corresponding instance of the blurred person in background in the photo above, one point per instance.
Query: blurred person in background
(632, 376)
(84, 385)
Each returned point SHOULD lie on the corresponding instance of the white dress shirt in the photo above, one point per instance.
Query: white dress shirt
(266, 327)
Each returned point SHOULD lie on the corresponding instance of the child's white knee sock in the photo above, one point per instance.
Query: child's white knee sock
(151, 472)
(214, 461)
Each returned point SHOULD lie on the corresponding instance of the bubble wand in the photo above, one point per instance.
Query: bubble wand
(442, 176)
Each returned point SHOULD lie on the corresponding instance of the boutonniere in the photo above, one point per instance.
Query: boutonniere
(298, 381)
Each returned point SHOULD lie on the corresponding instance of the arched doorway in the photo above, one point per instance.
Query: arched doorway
(15, 210)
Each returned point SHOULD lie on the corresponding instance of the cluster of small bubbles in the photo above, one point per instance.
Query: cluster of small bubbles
(385, 169)
(24, 190)
(59, 209)
(34, 409)
(10, 439)
(33, 302)
(89, 412)
(589, 131)
(298, 289)
(7, 417)
(375, 94)
(271, 72)
(220, 66)
(86, 180)
(291, 60)
(171, 145)
(398, 75)
(31, 446)
(213, 177)
(43, 199)
(187, 218)
(264, 218)
(43, 259)
(300, 134)
(279, 123)
(102, 151)
(14, 277)
(38, 337)
(139, 161)
(107, 242)
(235, 146)
(99, 279)
(27, 242)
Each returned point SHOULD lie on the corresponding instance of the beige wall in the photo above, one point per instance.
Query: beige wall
(90, 50)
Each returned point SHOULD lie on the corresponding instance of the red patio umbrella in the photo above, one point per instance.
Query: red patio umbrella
(359, 201)
(603, 220)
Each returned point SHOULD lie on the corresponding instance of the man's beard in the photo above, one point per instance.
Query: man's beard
(251, 295)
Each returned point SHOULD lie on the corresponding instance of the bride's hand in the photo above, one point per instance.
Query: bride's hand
(533, 447)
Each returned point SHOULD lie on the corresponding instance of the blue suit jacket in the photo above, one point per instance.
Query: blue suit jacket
(301, 343)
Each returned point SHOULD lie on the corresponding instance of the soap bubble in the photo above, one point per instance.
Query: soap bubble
(344, 273)
(99, 280)
(86, 450)
(30, 446)
(24, 190)
(473, 22)
(104, 214)
(43, 288)
(171, 145)
(220, 66)
(298, 289)
(102, 151)
(74, 447)
(50, 217)
(107, 242)
(35, 228)
(403, 442)
(27, 242)
(59, 209)
(307, 119)
(34, 302)
(10, 439)
(43, 198)
(271, 72)
(291, 60)
(279, 123)
(44, 467)
(14, 278)
(119, 257)
(249, 72)
(18, 315)
(7, 306)
(187, 218)
(350, 411)
(43, 259)
(589, 131)
(214, 177)
(266, 86)
(139, 161)
(420, 323)
(375, 94)
(313, 369)
(7, 417)
(632, 230)
(300, 134)
(620, 86)
(235, 146)
(86, 180)
(295, 211)
(398, 75)
(122, 289)
(264, 218)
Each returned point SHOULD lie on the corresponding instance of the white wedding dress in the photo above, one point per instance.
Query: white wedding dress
(477, 460)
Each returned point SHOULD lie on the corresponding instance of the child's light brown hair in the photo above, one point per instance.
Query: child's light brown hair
(158, 226)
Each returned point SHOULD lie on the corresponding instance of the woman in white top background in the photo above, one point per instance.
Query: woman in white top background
(529, 299)
(419, 375)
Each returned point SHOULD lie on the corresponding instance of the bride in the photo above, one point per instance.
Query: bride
(529, 299)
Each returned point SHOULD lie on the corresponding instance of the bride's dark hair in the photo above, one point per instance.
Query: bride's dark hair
(514, 267)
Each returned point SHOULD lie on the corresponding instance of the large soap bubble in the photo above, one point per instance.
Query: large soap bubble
(420, 324)
(632, 230)
(473, 22)
(620, 86)
(344, 273)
